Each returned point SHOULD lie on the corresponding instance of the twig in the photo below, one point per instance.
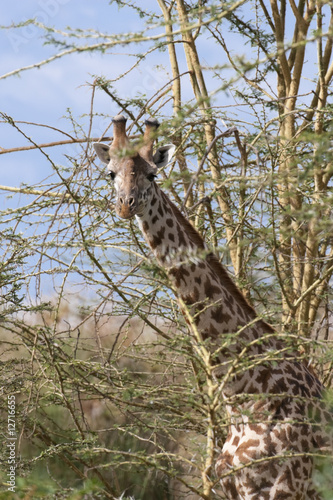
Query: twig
(228, 132)
(56, 143)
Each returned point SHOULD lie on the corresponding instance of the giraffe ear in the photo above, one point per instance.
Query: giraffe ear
(102, 151)
(163, 155)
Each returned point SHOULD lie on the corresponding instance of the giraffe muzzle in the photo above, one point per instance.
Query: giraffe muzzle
(126, 207)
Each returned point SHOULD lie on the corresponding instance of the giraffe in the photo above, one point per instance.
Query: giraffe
(272, 398)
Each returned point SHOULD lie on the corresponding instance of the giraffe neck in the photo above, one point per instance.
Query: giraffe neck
(216, 304)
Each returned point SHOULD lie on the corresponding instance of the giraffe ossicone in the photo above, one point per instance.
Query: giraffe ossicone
(277, 417)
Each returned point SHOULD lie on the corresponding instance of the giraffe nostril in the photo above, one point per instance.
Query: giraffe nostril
(124, 200)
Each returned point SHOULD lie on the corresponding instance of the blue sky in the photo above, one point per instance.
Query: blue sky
(43, 95)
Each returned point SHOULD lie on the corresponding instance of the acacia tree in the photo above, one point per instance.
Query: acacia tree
(106, 375)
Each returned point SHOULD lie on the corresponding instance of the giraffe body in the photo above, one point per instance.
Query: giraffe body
(267, 451)
(278, 427)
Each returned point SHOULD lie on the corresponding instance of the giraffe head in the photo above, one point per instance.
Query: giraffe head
(133, 168)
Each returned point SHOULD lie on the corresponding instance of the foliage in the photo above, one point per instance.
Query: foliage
(111, 398)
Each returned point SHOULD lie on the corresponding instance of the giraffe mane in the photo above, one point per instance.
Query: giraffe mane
(213, 261)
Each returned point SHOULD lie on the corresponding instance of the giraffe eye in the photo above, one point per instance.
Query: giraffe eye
(112, 175)
(151, 177)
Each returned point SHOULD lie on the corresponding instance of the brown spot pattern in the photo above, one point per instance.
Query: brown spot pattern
(279, 405)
